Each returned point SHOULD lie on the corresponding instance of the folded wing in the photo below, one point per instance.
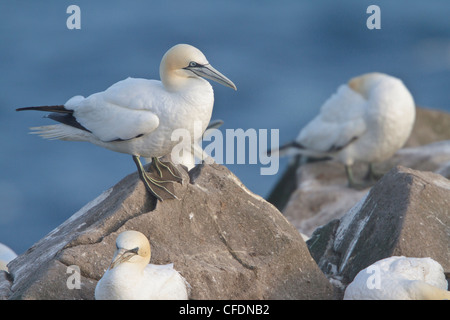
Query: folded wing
(122, 112)
(340, 122)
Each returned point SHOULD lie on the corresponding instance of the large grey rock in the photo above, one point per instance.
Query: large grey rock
(407, 213)
(226, 241)
(322, 193)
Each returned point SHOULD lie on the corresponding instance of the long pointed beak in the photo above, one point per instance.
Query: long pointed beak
(209, 72)
(122, 255)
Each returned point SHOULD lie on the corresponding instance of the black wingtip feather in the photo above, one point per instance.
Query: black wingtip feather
(58, 109)
(58, 113)
(67, 119)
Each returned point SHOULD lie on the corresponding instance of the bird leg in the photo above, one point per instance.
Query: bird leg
(349, 173)
(153, 185)
(169, 167)
(372, 175)
(351, 181)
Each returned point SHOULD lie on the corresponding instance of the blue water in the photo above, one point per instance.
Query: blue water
(286, 58)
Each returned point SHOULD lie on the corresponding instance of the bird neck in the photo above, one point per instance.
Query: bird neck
(136, 267)
(182, 84)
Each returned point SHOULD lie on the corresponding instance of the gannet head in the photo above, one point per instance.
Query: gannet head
(365, 83)
(183, 62)
(132, 247)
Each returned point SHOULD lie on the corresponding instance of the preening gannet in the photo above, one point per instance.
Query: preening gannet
(367, 120)
(138, 116)
(131, 277)
(400, 278)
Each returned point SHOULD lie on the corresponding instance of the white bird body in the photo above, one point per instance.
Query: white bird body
(139, 116)
(154, 282)
(400, 278)
(131, 277)
(366, 120)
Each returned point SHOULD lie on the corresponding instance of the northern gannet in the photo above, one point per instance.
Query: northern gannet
(367, 120)
(400, 278)
(131, 277)
(138, 116)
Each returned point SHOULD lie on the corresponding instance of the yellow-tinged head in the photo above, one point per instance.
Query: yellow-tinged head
(183, 62)
(364, 83)
(132, 247)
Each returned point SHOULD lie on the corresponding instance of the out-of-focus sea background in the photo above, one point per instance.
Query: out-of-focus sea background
(285, 57)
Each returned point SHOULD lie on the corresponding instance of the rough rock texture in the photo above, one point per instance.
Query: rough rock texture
(430, 126)
(315, 195)
(311, 194)
(227, 242)
(407, 213)
(322, 193)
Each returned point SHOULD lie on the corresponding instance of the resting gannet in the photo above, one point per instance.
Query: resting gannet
(367, 120)
(399, 278)
(131, 277)
(138, 116)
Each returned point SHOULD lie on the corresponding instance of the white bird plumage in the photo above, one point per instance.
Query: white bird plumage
(138, 116)
(191, 154)
(131, 277)
(400, 278)
(367, 120)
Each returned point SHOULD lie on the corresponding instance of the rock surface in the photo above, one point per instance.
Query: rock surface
(322, 193)
(227, 242)
(315, 196)
(311, 194)
(430, 126)
(407, 213)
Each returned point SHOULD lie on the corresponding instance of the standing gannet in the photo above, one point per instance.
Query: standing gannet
(367, 120)
(399, 278)
(131, 277)
(138, 116)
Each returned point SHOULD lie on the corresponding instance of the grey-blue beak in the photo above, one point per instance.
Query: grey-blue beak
(209, 72)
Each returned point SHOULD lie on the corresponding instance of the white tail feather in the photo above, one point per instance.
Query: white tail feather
(61, 132)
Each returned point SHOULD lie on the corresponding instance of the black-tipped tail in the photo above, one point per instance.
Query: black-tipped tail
(60, 114)
(58, 109)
